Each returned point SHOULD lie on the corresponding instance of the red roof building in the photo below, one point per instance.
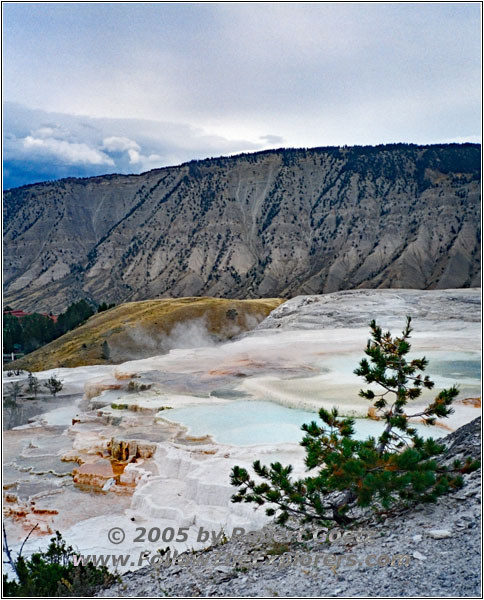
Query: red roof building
(20, 313)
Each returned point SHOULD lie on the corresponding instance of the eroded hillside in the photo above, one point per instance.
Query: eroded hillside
(276, 223)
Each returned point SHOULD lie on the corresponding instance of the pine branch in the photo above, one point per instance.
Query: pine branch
(25, 540)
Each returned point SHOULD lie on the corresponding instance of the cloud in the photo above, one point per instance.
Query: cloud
(50, 131)
(167, 82)
(119, 144)
(69, 153)
(124, 144)
(40, 145)
(272, 139)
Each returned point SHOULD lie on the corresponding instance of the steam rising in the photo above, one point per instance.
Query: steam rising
(190, 334)
(193, 333)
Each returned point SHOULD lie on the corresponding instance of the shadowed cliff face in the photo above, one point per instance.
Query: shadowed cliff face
(276, 223)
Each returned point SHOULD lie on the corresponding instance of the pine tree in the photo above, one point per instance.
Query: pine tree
(76, 314)
(12, 333)
(102, 307)
(54, 385)
(33, 385)
(397, 468)
(52, 572)
(14, 390)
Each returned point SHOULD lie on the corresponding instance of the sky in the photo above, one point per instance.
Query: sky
(94, 88)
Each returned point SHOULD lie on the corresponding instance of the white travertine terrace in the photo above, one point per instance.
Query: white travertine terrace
(301, 356)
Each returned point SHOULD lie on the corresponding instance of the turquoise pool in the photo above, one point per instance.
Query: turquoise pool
(247, 422)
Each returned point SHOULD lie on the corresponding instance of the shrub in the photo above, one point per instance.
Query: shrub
(398, 468)
(52, 574)
(134, 386)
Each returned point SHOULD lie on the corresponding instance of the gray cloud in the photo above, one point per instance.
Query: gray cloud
(40, 139)
(174, 81)
(272, 139)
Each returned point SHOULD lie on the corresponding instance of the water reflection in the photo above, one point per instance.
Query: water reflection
(20, 411)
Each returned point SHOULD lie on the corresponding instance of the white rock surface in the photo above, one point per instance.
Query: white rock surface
(439, 534)
(302, 356)
(441, 309)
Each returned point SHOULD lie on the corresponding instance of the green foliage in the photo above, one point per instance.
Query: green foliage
(75, 315)
(36, 331)
(52, 574)
(402, 382)
(26, 334)
(397, 468)
(104, 306)
(12, 333)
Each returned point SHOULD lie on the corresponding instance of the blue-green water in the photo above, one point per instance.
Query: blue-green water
(456, 369)
(247, 422)
(243, 422)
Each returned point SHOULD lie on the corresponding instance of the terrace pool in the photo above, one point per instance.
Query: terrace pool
(247, 422)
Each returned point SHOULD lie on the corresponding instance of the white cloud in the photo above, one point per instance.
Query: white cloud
(67, 152)
(134, 156)
(119, 144)
(124, 144)
(50, 131)
(53, 145)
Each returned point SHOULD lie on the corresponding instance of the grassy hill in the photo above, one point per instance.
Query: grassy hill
(141, 329)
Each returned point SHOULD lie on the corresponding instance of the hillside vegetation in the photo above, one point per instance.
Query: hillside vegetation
(277, 223)
(140, 329)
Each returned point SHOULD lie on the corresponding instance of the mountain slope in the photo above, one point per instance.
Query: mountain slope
(275, 223)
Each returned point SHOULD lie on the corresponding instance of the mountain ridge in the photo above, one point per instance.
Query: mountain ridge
(274, 223)
(390, 145)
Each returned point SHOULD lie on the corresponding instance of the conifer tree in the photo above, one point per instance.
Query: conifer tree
(54, 385)
(33, 384)
(14, 391)
(399, 467)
